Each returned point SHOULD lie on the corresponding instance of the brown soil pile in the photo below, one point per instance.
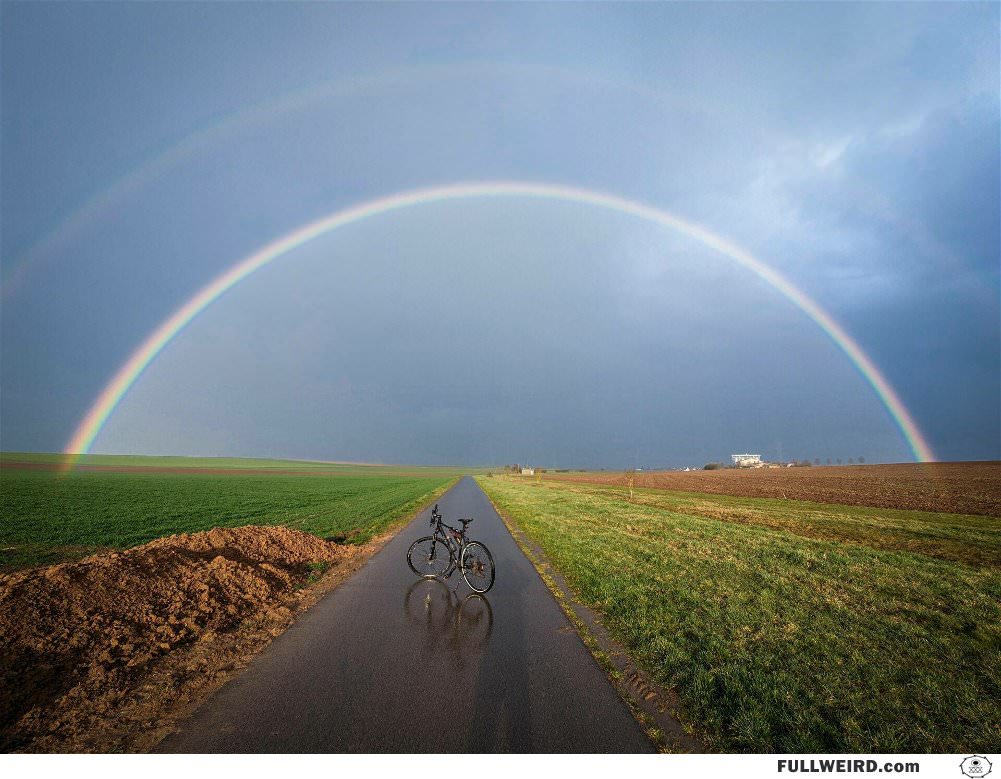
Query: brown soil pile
(961, 488)
(82, 642)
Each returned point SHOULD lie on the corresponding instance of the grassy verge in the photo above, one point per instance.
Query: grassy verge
(820, 633)
(47, 517)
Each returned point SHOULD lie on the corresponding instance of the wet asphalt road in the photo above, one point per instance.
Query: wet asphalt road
(388, 662)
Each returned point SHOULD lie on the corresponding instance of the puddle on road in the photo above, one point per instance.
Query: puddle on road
(447, 621)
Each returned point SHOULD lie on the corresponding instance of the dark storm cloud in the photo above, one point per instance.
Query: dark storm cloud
(853, 147)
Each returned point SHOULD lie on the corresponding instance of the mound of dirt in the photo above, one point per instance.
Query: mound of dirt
(77, 640)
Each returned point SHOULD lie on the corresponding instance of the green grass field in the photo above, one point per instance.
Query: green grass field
(787, 626)
(48, 517)
(230, 463)
(157, 461)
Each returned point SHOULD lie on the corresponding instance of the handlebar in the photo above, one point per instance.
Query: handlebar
(436, 517)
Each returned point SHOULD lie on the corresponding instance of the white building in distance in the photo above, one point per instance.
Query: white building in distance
(746, 460)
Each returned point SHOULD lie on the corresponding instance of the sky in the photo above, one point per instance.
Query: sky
(854, 148)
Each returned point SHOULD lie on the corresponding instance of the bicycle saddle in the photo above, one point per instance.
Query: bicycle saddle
(466, 521)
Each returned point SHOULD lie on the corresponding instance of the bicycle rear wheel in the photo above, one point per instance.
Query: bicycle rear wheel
(428, 556)
(478, 567)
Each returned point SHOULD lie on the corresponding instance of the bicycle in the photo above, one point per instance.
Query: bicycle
(440, 553)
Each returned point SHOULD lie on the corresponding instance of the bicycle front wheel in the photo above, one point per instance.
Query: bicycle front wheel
(477, 567)
(429, 557)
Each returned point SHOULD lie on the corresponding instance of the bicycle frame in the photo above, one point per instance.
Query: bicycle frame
(455, 540)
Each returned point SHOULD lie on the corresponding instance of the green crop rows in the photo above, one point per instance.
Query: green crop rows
(46, 516)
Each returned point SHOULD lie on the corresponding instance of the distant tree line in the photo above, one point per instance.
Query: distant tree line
(806, 463)
(816, 461)
(517, 469)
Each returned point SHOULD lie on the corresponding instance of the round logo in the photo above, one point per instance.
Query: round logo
(975, 766)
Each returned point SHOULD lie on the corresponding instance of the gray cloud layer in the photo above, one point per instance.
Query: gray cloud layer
(853, 147)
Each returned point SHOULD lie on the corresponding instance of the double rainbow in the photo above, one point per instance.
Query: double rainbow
(91, 425)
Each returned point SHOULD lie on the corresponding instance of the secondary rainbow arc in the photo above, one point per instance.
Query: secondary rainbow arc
(104, 202)
(90, 426)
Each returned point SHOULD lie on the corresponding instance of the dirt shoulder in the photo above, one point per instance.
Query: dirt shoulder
(107, 653)
(958, 488)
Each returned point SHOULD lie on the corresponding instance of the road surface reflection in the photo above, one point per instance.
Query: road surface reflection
(448, 621)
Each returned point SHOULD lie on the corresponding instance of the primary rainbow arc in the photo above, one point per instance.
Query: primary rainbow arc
(90, 426)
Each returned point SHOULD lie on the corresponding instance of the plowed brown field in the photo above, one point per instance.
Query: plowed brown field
(960, 488)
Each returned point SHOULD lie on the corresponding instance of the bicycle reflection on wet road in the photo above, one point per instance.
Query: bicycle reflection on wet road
(460, 624)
